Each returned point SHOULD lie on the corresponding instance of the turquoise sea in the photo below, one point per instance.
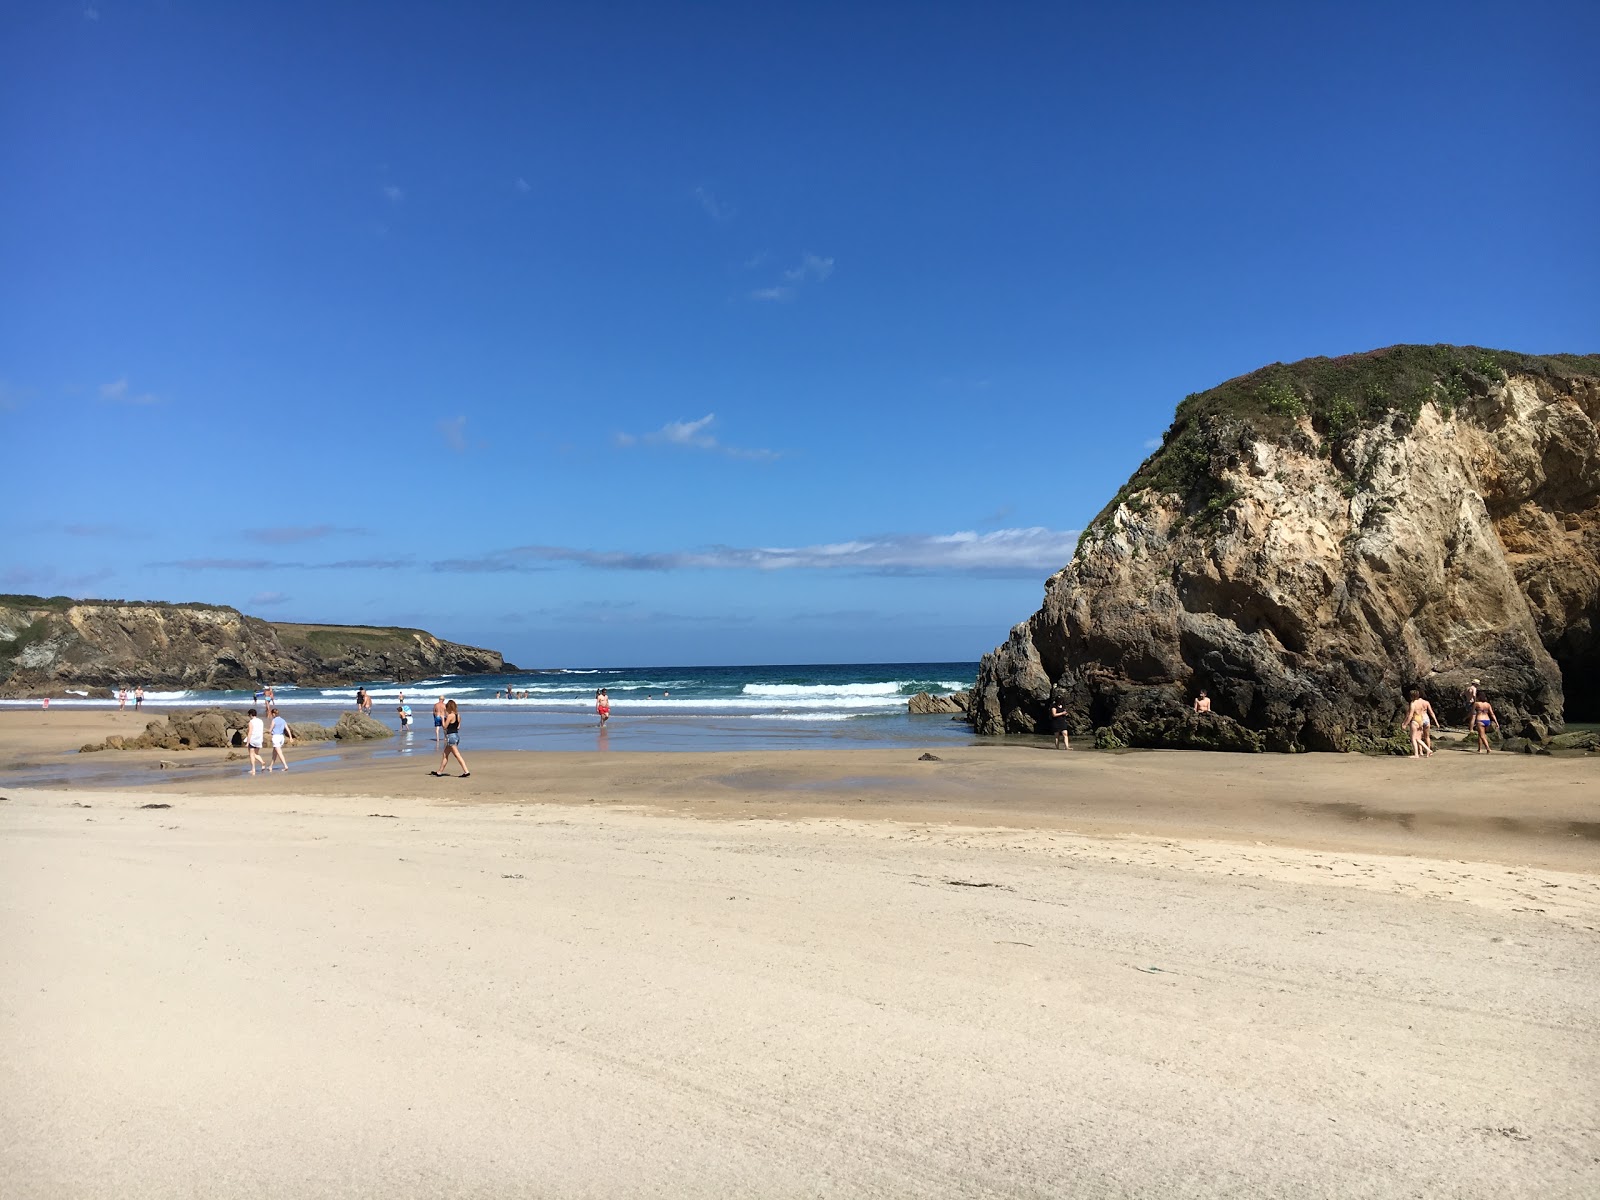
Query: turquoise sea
(652, 708)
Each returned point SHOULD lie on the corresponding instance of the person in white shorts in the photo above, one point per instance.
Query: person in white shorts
(252, 739)
(280, 733)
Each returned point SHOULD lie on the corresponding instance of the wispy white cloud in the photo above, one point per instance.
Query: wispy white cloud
(393, 194)
(523, 186)
(91, 13)
(772, 293)
(713, 207)
(693, 435)
(267, 600)
(812, 267)
(759, 259)
(454, 432)
(1152, 443)
(119, 392)
(1003, 552)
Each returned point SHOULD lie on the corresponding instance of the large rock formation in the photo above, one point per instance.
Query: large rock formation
(49, 644)
(1313, 540)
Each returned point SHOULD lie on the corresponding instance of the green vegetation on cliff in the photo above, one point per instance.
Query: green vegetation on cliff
(1341, 396)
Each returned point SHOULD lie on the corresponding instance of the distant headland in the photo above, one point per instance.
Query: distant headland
(51, 643)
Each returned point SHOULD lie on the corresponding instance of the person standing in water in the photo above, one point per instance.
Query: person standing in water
(138, 698)
(280, 733)
(452, 740)
(438, 720)
(602, 705)
(1482, 717)
(253, 736)
(1419, 719)
(1059, 720)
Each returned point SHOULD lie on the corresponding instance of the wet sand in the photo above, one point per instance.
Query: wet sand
(1010, 972)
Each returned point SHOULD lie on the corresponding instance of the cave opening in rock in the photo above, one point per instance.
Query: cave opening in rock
(1580, 684)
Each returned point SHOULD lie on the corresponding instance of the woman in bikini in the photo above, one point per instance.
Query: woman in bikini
(1483, 717)
(1418, 720)
(452, 739)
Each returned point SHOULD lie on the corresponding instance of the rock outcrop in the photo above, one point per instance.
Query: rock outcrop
(49, 644)
(1312, 541)
(221, 727)
(926, 703)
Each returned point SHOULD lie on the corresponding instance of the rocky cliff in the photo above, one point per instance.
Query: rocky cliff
(1315, 539)
(48, 644)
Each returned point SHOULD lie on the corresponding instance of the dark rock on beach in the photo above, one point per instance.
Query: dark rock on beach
(1312, 541)
(358, 727)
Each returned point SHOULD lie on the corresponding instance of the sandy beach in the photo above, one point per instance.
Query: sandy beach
(1010, 972)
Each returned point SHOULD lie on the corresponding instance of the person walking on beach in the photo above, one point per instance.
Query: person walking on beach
(122, 699)
(1059, 721)
(1482, 717)
(138, 698)
(438, 720)
(1202, 703)
(602, 705)
(252, 739)
(280, 734)
(452, 740)
(1419, 718)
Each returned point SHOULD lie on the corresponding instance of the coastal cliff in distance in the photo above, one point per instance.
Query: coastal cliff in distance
(49, 644)
(1312, 541)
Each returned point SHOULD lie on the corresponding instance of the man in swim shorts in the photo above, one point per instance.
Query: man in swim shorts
(602, 705)
(438, 719)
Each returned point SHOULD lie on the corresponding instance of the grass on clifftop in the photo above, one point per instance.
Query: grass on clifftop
(1340, 395)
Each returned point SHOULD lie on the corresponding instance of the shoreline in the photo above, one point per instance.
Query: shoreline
(1515, 809)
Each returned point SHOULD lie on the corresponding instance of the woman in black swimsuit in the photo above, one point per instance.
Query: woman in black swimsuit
(1059, 720)
(452, 739)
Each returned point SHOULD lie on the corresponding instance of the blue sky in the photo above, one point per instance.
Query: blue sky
(656, 334)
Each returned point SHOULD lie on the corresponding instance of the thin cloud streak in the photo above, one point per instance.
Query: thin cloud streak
(290, 534)
(273, 564)
(1023, 553)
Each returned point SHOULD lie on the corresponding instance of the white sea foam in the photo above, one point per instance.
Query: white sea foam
(840, 690)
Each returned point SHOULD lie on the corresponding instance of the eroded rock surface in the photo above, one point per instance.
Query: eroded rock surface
(1314, 540)
(49, 644)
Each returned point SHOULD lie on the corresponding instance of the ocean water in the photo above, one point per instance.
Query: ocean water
(652, 708)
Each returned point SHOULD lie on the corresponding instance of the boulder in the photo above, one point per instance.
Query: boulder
(924, 703)
(357, 727)
(307, 731)
(1587, 739)
(208, 728)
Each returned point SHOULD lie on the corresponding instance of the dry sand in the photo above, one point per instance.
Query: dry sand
(1009, 973)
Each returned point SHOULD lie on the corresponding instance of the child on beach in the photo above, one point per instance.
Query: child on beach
(1483, 717)
(452, 740)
